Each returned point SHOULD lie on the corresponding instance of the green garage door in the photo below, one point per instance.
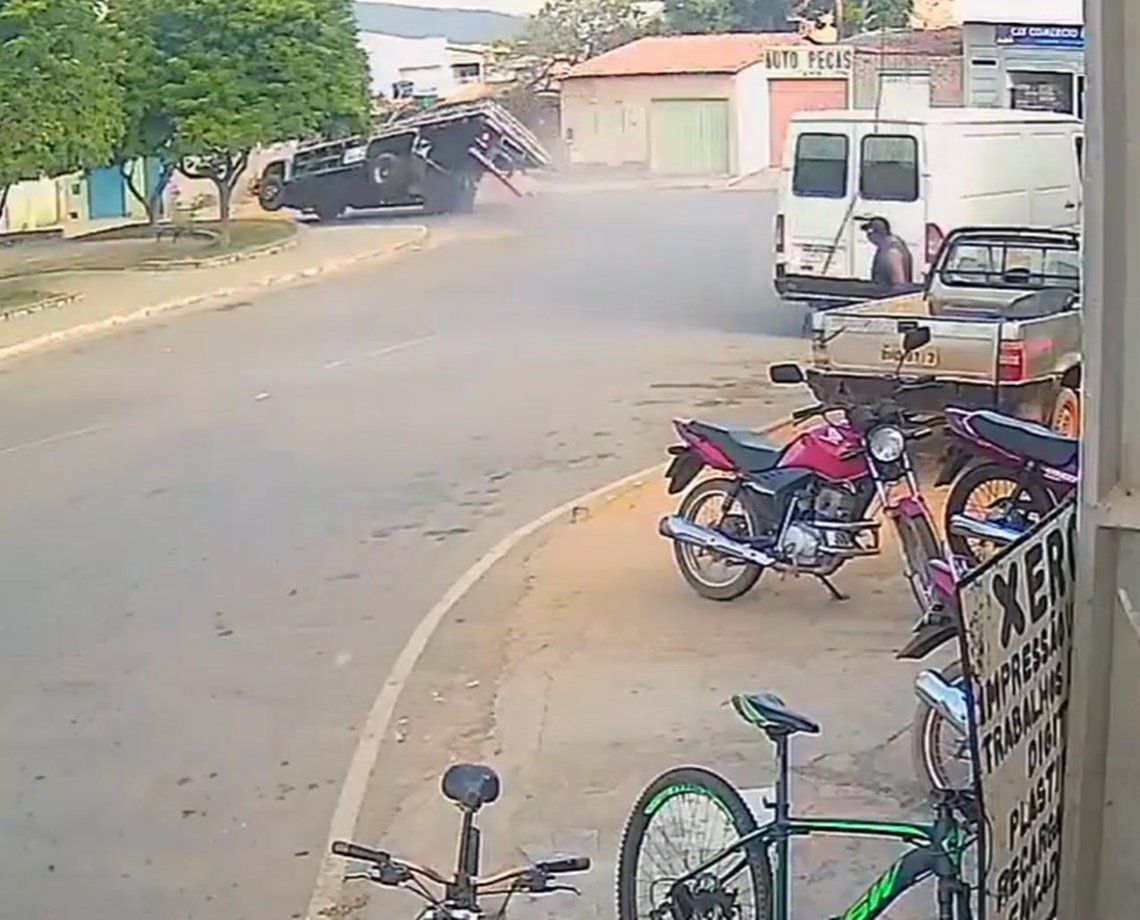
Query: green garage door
(689, 136)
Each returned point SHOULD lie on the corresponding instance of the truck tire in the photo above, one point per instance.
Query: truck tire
(271, 190)
(441, 192)
(1066, 415)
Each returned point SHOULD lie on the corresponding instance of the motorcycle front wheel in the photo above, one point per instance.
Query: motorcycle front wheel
(992, 491)
(715, 503)
(942, 758)
(920, 546)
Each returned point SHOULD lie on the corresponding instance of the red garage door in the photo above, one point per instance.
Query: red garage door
(791, 96)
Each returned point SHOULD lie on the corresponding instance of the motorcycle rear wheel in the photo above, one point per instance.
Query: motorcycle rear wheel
(736, 520)
(929, 735)
(1033, 499)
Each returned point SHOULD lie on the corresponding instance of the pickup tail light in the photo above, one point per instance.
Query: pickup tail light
(779, 234)
(934, 239)
(1011, 362)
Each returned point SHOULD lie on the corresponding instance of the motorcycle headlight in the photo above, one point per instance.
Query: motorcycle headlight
(886, 445)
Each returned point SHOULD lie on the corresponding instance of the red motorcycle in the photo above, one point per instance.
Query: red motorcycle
(807, 508)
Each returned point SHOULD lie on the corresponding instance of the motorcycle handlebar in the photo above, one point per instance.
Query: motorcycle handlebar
(807, 412)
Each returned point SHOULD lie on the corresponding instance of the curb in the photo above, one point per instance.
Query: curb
(84, 330)
(330, 873)
(245, 255)
(47, 303)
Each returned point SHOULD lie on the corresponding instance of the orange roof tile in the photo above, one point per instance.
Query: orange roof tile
(677, 54)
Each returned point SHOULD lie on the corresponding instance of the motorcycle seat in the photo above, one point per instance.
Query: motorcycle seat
(751, 452)
(1026, 439)
(771, 714)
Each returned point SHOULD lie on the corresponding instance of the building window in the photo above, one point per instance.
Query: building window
(1042, 91)
(467, 73)
(888, 169)
(821, 166)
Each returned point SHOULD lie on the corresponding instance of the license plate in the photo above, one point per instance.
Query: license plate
(924, 357)
(814, 260)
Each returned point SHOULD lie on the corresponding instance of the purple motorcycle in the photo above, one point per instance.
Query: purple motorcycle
(1007, 473)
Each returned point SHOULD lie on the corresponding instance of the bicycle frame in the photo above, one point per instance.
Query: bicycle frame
(937, 852)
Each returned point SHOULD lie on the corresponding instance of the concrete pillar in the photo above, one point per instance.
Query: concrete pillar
(1100, 879)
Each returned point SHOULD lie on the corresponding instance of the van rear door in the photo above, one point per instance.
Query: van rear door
(889, 183)
(817, 196)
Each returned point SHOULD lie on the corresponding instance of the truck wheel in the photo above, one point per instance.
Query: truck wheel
(384, 170)
(440, 192)
(271, 192)
(1066, 418)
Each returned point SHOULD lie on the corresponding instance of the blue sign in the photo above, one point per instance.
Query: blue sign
(1070, 37)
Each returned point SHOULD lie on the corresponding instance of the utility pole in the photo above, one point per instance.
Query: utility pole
(1099, 880)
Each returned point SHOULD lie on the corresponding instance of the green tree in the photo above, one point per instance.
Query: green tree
(227, 76)
(571, 31)
(699, 16)
(148, 130)
(59, 104)
(872, 15)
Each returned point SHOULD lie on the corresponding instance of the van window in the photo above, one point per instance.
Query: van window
(821, 166)
(889, 168)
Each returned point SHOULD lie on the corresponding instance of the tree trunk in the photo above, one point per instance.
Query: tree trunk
(3, 200)
(224, 185)
(151, 202)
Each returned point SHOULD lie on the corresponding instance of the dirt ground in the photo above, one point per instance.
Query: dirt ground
(583, 666)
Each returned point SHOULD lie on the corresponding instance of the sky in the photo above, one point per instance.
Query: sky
(514, 7)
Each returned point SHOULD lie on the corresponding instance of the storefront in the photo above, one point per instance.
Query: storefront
(1026, 65)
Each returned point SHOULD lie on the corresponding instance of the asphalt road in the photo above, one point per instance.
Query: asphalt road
(220, 528)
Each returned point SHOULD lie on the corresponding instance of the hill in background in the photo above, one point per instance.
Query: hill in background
(457, 25)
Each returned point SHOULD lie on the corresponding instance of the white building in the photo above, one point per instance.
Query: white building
(1024, 54)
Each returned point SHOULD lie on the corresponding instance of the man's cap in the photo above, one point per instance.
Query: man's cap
(878, 224)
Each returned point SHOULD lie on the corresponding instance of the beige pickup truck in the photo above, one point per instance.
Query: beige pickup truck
(1003, 308)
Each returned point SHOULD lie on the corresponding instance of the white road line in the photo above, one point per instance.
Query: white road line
(53, 439)
(385, 350)
(330, 875)
(399, 346)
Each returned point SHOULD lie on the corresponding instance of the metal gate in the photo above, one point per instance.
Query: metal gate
(689, 136)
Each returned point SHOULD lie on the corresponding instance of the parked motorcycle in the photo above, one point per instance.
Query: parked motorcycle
(1007, 473)
(805, 508)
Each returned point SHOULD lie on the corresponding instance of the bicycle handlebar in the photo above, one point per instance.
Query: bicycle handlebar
(565, 866)
(539, 872)
(352, 850)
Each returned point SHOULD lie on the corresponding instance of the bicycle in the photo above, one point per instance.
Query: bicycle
(699, 892)
(470, 787)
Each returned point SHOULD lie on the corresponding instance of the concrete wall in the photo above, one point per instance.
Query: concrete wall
(987, 64)
(946, 77)
(609, 116)
(752, 111)
(425, 61)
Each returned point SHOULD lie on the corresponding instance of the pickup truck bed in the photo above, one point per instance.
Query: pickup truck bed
(1007, 336)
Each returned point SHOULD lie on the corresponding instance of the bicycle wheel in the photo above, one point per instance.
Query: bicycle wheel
(688, 815)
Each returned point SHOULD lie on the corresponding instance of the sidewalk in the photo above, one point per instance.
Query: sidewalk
(104, 300)
(583, 666)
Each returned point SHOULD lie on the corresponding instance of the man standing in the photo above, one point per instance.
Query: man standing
(893, 267)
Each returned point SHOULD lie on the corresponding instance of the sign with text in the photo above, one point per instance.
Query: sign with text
(808, 61)
(1071, 37)
(1017, 618)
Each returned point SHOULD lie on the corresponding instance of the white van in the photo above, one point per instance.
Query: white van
(927, 175)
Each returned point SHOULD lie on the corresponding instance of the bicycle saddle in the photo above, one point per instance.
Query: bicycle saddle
(771, 714)
(470, 785)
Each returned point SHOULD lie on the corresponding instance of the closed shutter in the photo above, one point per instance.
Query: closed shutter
(689, 136)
